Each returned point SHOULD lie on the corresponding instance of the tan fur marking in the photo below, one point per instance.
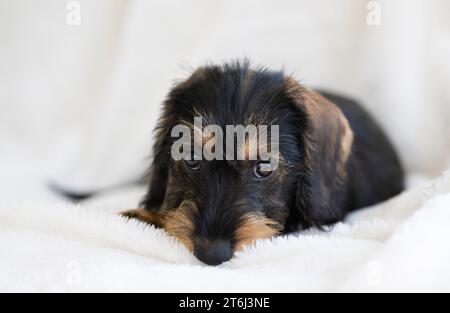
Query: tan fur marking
(178, 223)
(328, 122)
(250, 146)
(208, 137)
(255, 227)
(323, 111)
(346, 139)
(145, 216)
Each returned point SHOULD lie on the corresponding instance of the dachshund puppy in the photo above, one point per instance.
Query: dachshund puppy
(332, 159)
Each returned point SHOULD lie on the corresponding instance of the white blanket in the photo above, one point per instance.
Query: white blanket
(78, 103)
(396, 246)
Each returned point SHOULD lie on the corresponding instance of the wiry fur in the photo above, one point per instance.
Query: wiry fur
(334, 159)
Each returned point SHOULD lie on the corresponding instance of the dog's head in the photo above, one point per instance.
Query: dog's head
(217, 206)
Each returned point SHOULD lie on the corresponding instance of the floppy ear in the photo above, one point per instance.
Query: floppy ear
(159, 170)
(328, 140)
(157, 180)
(158, 174)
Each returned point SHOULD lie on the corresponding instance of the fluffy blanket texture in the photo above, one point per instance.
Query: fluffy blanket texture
(396, 246)
(78, 104)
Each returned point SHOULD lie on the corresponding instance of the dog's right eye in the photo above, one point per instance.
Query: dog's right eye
(192, 164)
(262, 169)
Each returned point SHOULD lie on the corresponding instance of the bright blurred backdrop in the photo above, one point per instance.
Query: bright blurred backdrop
(78, 102)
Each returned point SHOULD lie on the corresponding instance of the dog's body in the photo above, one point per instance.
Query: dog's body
(374, 171)
(333, 158)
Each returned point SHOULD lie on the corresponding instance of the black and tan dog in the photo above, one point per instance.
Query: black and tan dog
(333, 159)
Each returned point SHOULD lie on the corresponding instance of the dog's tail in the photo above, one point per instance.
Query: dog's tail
(78, 195)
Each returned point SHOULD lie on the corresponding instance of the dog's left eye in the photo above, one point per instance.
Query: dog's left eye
(192, 164)
(262, 169)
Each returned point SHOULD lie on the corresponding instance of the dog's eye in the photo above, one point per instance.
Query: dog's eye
(262, 169)
(192, 164)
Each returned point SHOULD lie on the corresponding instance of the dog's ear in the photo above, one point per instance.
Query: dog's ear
(177, 101)
(159, 170)
(328, 141)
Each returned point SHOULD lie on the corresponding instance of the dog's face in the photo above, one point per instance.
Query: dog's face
(215, 207)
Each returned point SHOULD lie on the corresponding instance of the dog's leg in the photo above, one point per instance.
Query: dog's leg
(145, 216)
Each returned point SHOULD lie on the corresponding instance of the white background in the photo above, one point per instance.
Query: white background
(78, 103)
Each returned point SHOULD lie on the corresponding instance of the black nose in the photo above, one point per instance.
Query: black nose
(213, 252)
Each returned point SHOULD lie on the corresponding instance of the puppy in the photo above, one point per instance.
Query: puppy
(332, 159)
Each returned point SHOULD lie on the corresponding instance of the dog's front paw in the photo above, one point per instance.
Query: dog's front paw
(145, 216)
(132, 214)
